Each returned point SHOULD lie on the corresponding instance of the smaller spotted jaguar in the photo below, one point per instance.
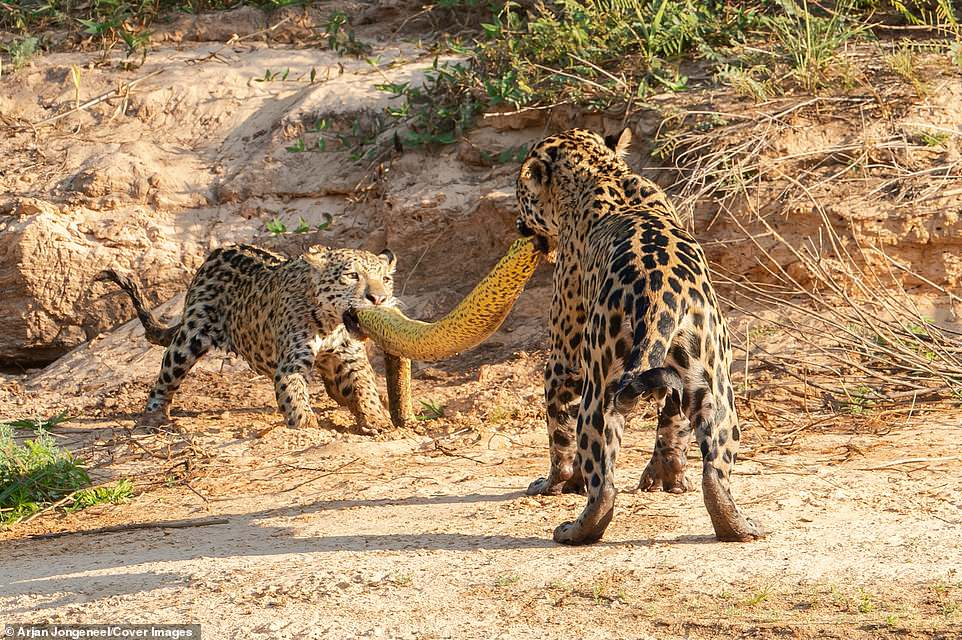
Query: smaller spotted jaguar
(283, 316)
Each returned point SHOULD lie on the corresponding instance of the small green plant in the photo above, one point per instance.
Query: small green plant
(941, 592)
(430, 410)
(939, 14)
(276, 227)
(280, 4)
(513, 154)
(608, 588)
(561, 590)
(752, 82)
(75, 79)
(117, 493)
(506, 580)
(598, 592)
(891, 620)
(459, 4)
(402, 579)
(22, 50)
(34, 475)
(361, 140)
(298, 147)
(934, 138)
(903, 62)
(115, 21)
(757, 598)
(955, 53)
(859, 401)
(271, 76)
(865, 602)
(319, 127)
(438, 111)
(39, 424)
(340, 36)
(499, 414)
(812, 42)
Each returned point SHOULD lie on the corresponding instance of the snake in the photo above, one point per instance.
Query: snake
(471, 322)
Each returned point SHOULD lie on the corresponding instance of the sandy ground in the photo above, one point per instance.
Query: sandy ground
(431, 536)
(423, 533)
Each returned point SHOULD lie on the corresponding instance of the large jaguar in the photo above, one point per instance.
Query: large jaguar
(633, 316)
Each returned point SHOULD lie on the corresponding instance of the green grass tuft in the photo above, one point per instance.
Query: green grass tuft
(430, 410)
(37, 424)
(38, 474)
(118, 493)
(34, 474)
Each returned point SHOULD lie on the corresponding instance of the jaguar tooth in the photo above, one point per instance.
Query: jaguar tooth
(471, 322)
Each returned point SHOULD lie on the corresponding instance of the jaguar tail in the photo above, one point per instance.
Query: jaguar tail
(647, 383)
(154, 330)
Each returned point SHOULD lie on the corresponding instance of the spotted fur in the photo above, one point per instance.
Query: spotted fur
(634, 315)
(284, 317)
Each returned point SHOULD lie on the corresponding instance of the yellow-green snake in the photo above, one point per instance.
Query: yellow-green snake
(472, 321)
(397, 373)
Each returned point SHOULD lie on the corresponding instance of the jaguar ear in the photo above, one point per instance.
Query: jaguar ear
(534, 174)
(388, 258)
(619, 143)
(316, 254)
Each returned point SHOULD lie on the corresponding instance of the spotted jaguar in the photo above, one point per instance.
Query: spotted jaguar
(633, 316)
(284, 317)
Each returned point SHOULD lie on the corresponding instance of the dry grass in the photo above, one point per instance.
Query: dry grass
(853, 332)
(860, 336)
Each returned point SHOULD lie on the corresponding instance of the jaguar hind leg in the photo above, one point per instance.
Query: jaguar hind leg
(717, 433)
(666, 469)
(664, 385)
(185, 349)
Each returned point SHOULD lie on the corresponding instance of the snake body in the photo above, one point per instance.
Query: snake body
(397, 373)
(472, 321)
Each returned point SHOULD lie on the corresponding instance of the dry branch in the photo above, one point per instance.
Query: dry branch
(164, 524)
(120, 91)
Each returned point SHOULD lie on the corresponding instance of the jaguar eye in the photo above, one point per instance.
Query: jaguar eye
(350, 276)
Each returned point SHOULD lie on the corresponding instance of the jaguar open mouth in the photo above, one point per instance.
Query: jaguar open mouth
(540, 242)
(352, 324)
